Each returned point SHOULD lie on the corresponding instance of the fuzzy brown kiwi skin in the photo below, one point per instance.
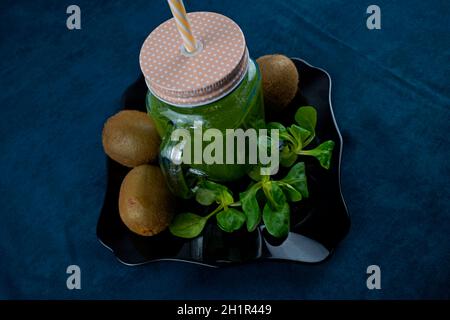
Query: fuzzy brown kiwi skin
(146, 205)
(279, 80)
(130, 138)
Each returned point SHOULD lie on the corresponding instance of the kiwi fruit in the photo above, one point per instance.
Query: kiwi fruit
(279, 81)
(130, 138)
(145, 202)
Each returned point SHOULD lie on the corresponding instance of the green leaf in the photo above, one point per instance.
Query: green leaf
(276, 212)
(230, 219)
(226, 198)
(287, 156)
(323, 153)
(274, 194)
(295, 183)
(276, 125)
(187, 225)
(207, 192)
(255, 173)
(306, 117)
(292, 194)
(283, 132)
(205, 196)
(300, 135)
(277, 221)
(251, 208)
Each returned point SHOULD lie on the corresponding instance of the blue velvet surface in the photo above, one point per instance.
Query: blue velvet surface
(391, 98)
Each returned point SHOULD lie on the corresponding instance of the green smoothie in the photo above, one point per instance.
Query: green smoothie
(242, 108)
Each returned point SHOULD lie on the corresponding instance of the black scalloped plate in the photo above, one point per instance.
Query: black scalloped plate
(318, 223)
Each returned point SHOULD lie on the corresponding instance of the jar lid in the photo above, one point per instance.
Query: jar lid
(190, 79)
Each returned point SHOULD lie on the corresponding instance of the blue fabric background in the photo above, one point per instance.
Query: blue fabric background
(391, 98)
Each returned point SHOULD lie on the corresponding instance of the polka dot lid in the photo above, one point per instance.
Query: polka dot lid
(211, 72)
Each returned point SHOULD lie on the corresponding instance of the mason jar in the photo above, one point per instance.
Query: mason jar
(216, 87)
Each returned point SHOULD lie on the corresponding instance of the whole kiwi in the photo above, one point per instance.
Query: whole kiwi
(279, 80)
(130, 138)
(145, 202)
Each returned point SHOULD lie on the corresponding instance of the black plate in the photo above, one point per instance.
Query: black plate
(318, 223)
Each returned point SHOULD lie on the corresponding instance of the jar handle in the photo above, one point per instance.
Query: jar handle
(179, 177)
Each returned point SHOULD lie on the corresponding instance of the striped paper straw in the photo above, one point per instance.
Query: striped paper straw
(184, 28)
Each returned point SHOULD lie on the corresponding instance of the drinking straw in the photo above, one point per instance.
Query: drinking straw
(183, 26)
